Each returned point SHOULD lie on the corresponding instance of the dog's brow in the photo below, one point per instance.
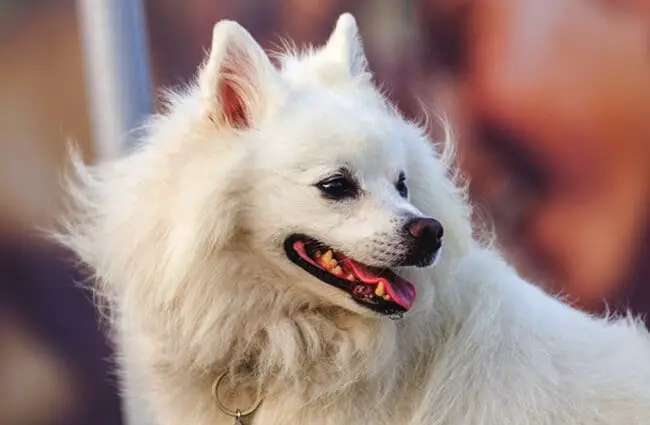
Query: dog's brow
(285, 177)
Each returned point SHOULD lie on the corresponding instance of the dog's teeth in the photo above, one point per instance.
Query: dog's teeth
(324, 262)
(328, 261)
(337, 270)
(327, 257)
(317, 255)
(380, 291)
(350, 277)
(387, 297)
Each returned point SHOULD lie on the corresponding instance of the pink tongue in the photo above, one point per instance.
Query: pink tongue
(401, 291)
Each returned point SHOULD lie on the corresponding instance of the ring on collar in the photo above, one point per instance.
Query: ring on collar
(236, 413)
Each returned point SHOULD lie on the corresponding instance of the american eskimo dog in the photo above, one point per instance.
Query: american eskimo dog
(285, 248)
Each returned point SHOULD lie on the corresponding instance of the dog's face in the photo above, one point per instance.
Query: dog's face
(328, 168)
(331, 194)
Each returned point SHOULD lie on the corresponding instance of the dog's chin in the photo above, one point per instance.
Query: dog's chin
(361, 288)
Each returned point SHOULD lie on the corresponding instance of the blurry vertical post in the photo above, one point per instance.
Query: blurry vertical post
(118, 79)
(118, 76)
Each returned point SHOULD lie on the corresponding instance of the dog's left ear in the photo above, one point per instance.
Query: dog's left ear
(344, 46)
(238, 79)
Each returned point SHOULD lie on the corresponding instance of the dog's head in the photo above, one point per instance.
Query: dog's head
(333, 172)
(280, 184)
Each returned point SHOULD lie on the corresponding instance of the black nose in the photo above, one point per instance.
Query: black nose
(424, 237)
(426, 229)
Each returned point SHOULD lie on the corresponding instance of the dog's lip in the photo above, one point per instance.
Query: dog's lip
(362, 289)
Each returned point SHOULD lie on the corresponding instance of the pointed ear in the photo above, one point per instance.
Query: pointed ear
(344, 46)
(237, 78)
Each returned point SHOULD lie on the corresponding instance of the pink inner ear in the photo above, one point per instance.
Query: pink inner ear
(233, 108)
(237, 80)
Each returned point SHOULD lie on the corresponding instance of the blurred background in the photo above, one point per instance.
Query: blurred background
(549, 100)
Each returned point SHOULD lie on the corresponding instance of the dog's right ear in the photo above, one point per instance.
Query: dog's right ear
(237, 78)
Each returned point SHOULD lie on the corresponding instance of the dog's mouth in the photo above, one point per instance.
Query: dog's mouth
(378, 289)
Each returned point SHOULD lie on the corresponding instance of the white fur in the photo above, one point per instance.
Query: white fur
(185, 237)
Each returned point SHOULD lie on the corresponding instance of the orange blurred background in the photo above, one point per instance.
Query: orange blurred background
(549, 100)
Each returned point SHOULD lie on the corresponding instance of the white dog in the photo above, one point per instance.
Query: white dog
(277, 239)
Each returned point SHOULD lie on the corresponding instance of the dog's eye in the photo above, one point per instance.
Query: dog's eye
(338, 187)
(401, 186)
